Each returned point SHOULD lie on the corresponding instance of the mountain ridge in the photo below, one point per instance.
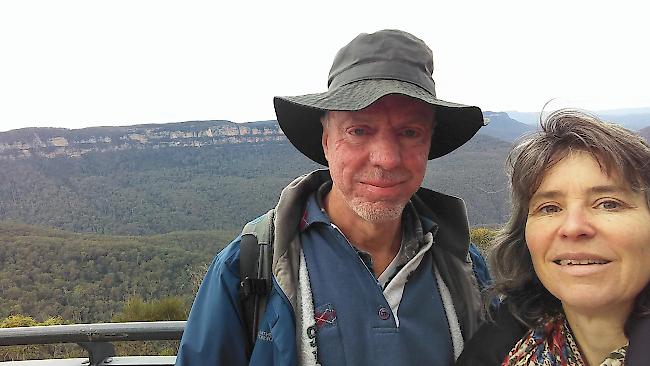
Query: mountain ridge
(50, 142)
(645, 133)
(500, 125)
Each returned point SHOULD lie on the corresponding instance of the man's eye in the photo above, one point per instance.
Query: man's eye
(410, 133)
(358, 131)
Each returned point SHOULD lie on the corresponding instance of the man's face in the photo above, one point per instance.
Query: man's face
(378, 156)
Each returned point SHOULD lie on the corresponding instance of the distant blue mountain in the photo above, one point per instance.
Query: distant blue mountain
(632, 118)
(620, 111)
(501, 126)
(529, 118)
(634, 122)
(645, 132)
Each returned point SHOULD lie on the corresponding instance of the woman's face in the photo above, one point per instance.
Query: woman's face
(589, 236)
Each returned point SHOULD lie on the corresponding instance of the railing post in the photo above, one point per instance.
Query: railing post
(98, 352)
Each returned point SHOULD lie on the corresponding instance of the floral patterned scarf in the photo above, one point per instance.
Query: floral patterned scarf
(552, 344)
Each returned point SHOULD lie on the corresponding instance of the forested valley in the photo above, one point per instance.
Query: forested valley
(99, 237)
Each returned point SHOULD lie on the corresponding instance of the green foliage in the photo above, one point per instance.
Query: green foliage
(156, 191)
(19, 320)
(144, 192)
(53, 320)
(87, 277)
(169, 308)
(137, 309)
(482, 237)
(14, 353)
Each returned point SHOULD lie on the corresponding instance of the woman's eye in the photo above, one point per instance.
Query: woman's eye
(549, 209)
(610, 205)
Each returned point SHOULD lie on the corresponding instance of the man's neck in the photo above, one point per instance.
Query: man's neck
(379, 239)
(597, 334)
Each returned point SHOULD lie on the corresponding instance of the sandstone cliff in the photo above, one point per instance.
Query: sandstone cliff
(60, 142)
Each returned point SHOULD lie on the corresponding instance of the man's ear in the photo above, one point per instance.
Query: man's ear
(324, 141)
(325, 125)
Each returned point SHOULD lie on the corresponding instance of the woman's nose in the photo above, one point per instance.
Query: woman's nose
(576, 224)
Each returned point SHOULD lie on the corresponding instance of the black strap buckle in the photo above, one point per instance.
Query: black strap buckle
(253, 286)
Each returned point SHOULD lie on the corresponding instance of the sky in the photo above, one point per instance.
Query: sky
(75, 64)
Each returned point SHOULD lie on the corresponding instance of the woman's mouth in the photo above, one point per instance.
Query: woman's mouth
(580, 262)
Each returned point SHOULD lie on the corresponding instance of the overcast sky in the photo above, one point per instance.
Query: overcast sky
(88, 63)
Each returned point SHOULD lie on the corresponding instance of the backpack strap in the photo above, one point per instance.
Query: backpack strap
(255, 256)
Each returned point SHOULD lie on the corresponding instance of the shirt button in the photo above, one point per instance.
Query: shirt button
(383, 313)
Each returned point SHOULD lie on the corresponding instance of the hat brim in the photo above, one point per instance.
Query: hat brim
(299, 116)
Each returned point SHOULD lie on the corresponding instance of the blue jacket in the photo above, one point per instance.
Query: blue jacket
(215, 334)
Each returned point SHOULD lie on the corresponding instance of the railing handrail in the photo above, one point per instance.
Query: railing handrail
(97, 332)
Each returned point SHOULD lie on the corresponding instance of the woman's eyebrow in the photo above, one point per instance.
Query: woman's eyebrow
(550, 194)
(608, 189)
(545, 195)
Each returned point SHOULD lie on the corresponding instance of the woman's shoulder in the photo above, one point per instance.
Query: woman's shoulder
(637, 351)
(493, 341)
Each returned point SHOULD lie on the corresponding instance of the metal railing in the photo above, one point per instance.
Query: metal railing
(96, 339)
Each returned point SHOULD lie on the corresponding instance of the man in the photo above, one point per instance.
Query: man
(365, 270)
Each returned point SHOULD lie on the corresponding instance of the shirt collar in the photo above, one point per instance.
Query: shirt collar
(413, 229)
(314, 211)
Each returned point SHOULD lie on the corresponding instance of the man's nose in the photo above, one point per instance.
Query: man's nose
(385, 152)
(577, 224)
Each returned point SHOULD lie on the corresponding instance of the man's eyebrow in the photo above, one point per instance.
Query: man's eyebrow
(360, 117)
(363, 118)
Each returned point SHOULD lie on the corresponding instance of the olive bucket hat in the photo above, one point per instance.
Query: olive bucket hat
(369, 67)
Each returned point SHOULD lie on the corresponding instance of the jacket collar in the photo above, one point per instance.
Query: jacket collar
(447, 212)
(450, 215)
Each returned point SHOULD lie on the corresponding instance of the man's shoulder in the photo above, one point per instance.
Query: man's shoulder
(450, 216)
(228, 257)
(441, 208)
(434, 198)
(230, 253)
(260, 226)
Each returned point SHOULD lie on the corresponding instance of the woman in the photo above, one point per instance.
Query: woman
(572, 265)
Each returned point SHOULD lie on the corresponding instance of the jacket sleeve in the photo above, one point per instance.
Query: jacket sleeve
(214, 334)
